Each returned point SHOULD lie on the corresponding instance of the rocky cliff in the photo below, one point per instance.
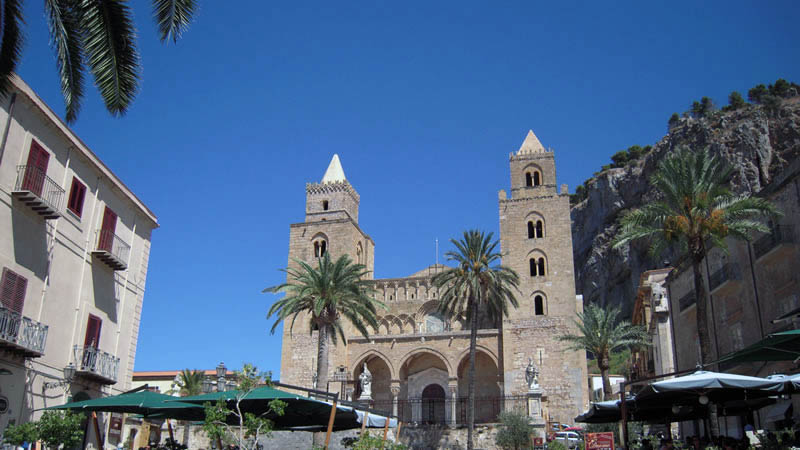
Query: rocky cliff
(759, 142)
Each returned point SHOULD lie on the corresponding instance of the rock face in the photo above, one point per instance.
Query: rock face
(756, 144)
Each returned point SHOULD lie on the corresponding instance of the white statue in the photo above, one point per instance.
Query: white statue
(366, 383)
(532, 375)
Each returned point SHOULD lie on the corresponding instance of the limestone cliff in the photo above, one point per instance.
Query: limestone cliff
(758, 142)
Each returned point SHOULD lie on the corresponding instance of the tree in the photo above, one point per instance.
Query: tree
(635, 152)
(735, 101)
(477, 283)
(96, 34)
(756, 93)
(187, 383)
(780, 88)
(696, 212)
(620, 158)
(249, 427)
(771, 104)
(514, 432)
(20, 434)
(326, 294)
(674, 120)
(58, 428)
(601, 333)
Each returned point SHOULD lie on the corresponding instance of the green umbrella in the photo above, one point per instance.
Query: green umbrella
(143, 402)
(783, 346)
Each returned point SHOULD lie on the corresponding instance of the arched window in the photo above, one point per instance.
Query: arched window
(533, 267)
(531, 230)
(324, 205)
(538, 305)
(320, 248)
(528, 179)
(539, 229)
(541, 267)
(434, 323)
(537, 179)
(537, 267)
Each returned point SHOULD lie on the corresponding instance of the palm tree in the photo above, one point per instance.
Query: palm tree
(696, 212)
(191, 382)
(99, 34)
(326, 294)
(601, 334)
(478, 283)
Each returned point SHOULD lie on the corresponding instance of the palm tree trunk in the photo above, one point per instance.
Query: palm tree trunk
(604, 367)
(703, 335)
(473, 341)
(322, 373)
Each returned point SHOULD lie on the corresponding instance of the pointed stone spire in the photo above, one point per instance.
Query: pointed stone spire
(335, 173)
(531, 145)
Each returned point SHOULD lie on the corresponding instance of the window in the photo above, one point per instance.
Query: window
(537, 267)
(107, 230)
(324, 205)
(76, 195)
(35, 169)
(93, 326)
(539, 229)
(320, 247)
(531, 230)
(434, 323)
(538, 305)
(537, 179)
(12, 291)
(541, 267)
(528, 179)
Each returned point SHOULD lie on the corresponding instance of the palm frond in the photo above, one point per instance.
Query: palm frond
(110, 45)
(173, 17)
(11, 44)
(65, 32)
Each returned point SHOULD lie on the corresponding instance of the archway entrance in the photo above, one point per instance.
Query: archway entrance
(488, 397)
(433, 410)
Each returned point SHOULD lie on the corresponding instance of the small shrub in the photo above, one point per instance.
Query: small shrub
(620, 158)
(60, 428)
(735, 101)
(368, 442)
(514, 432)
(556, 445)
(19, 434)
(756, 93)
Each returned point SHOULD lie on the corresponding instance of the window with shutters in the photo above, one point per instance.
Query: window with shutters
(12, 290)
(76, 195)
(93, 326)
(35, 169)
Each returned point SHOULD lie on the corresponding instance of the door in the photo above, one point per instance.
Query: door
(433, 404)
(106, 241)
(93, 327)
(36, 169)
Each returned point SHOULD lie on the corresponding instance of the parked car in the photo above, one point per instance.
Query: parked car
(570, 439)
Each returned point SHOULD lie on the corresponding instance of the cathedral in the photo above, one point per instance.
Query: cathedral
(417, 359)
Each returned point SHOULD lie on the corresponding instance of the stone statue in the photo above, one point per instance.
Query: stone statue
(532, 375)
(366, 383)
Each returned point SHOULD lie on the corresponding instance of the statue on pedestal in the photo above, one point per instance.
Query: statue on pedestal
(532, 375)
(366, 384)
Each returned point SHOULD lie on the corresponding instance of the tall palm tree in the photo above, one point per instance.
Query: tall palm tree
(326, 293)
(191, 382)
(99, 34)
(477, 283)
(601, 334)
(696, 212)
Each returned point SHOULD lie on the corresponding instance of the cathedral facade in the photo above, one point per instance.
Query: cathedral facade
(418, 359)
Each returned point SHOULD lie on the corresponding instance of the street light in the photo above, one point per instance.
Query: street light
(69, 374)
(208, 385)
(221, 372)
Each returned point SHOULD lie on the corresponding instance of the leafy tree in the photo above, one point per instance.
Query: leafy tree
(477, 283)
(756, 93)
(19, 434)
(735, 101)
(325, 294)
(696, 212)
(780, 88)
(60, 428)
(771, 104)
(514, 432)
(635, 152)
(602, 333)
(249, 427)
(620, 158)
(95, 36)
(696, 109)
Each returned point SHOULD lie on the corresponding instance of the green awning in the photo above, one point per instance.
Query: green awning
(783, 346)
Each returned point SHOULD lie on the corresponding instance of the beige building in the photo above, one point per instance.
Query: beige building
(651, 311)
(417, 358)
(74, 249)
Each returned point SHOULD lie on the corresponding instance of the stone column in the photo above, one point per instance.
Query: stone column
(395, 390)
(453, 419)
(535, 417)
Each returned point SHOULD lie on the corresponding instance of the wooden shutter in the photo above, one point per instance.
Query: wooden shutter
(36, 168)
(93, 326)
(76, 195)
(107, 230)
(12, 290)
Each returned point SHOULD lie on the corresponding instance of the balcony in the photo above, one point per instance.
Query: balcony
(728, 276)
(780, 240)
(96, 364)
(112, 250)
(40, 192)
(21, 334)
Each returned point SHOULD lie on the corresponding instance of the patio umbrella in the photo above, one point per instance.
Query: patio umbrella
(783, 346)
(143, 402)
(704, 387)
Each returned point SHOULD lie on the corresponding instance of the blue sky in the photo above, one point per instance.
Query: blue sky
(422, 101)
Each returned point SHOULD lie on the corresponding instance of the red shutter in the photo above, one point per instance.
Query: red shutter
(12, 291)
(76, 195)
(93, 332)
(36, 168)
(107, 230)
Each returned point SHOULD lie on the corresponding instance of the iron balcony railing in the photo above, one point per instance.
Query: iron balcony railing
(728, 272)
(96, 362)
(33, 179)
(112, 244)
(452, 411)
(22, 332)
(782, 234)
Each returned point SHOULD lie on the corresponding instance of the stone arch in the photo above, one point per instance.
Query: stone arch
(377, 354)
(465, 354)
(533, 175)
(382, 376)
(407, 357)
(320, 244)
(487, 385)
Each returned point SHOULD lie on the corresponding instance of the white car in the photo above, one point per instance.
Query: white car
(570, 439)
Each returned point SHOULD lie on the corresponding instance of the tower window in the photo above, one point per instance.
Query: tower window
(320, 248)
(324, 205)
(533, 266)
(539, 229)
(528, 179)
(538, 305)
(537, 179)
(531, 230)
(537, 267)
(541, 267)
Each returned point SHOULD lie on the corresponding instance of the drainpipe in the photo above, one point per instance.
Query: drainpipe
(8, 125)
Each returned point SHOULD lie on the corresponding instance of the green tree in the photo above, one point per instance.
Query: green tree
(735, 101)
(601, 333)
(477, 283)
(674, 120)
(780, 88)
(620, 158)
(58, 428)
(514, 431)
(191, 382)
(696, 109)
(771, 104)
(635, 152)
(756, 93)
(94, 36)
(326, 294)
(696, 212)
(249, 427)
(19, 434)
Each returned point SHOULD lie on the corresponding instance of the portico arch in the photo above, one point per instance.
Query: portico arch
(381, 373)
(487, 386)
(421, 350)
(377, 354)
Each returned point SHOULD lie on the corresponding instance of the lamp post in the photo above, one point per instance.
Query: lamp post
(221, 372)
(69, 374)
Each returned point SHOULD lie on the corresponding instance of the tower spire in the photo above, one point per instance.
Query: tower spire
(531, 144)
(335, 173)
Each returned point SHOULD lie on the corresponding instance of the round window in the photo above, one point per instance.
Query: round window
(3, 404)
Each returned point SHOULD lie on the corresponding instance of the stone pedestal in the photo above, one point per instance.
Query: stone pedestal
(535, 417)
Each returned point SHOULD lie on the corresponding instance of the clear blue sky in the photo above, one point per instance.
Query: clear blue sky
(423, 101)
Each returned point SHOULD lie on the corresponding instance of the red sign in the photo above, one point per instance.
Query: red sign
(600, 441)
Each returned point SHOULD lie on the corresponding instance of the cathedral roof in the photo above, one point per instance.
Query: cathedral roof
(335, 173)
(530, 145)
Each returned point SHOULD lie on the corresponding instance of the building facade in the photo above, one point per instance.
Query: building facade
(417, 358)
(651, 310)
(74, 251)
